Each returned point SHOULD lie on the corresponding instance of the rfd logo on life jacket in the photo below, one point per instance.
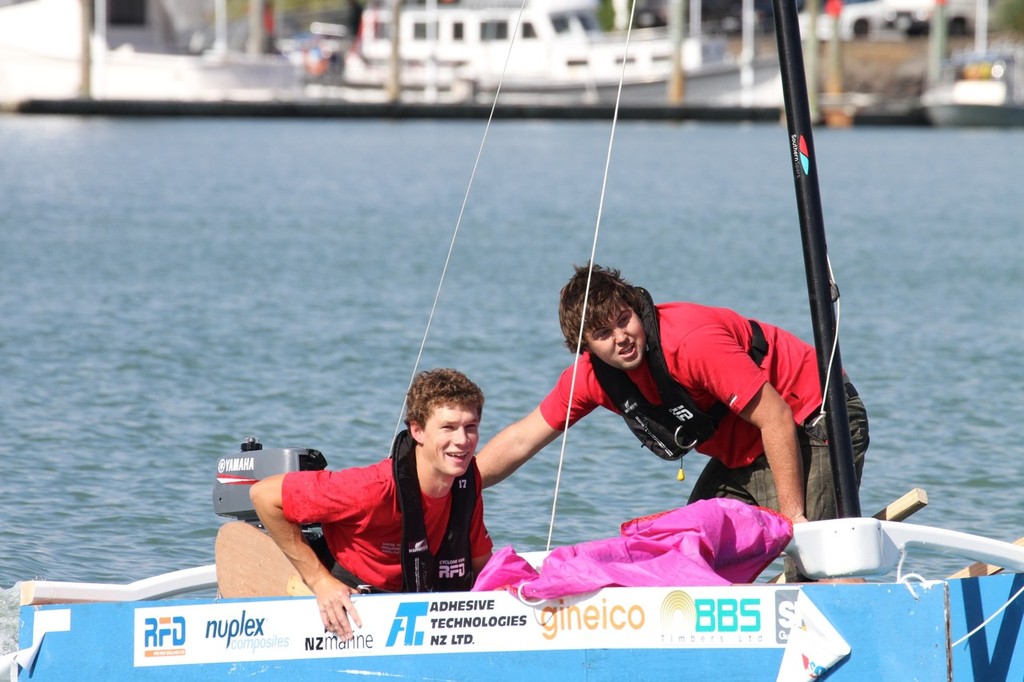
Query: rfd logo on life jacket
(681, 413)
(451, 568)
(678, 424)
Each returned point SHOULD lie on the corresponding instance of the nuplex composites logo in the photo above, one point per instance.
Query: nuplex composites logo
(243, 632)
(801, 156)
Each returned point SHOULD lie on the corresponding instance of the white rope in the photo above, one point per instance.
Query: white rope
(987, 620)
(906, 580)
(586, 295)
(899, 564)
(458, 222)
(597, 226)
(835, 344)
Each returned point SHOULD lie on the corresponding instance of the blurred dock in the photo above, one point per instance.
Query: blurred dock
(880, 84)
(875, 114)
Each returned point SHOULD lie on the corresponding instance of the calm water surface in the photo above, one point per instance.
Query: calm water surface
(169, 287)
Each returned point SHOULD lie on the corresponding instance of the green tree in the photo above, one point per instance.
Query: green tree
(606, 14)
(1009, 16)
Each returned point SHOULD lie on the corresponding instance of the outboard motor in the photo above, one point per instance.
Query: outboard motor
(236, 473)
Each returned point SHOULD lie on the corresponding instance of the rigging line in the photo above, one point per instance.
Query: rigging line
(458, 221)
(590, 271)
(835, 341)
(988, 620)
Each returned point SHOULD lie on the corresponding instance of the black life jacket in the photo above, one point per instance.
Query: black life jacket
(671, 429)
(451, 569)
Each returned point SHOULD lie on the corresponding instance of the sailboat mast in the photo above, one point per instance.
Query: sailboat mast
(819, 282)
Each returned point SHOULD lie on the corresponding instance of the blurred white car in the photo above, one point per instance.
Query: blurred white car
(913, 17)
(857, 19)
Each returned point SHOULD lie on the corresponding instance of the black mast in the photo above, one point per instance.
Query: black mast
(812, 229)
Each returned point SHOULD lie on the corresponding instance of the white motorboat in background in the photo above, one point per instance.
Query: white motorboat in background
(459, 52)
(979, 89)
(138, 50)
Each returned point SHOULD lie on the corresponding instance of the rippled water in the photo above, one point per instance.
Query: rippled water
(168, 287)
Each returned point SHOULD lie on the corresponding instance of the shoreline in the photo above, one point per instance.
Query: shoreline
(893, 114)
(881, 83)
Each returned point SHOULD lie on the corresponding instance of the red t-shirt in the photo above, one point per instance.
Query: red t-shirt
(358, 510)
(706, 350)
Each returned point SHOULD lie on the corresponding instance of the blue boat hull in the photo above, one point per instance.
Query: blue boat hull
(735, 633)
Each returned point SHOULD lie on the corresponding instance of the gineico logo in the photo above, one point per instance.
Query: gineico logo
(164, 636)
(562, 618)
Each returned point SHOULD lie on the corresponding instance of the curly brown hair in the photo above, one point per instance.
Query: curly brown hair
(441, 388)
(609, 292)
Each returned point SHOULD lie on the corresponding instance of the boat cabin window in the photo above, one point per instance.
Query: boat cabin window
(589, 22)
(528, 30)
(419, 30)
(458, 31)
(982, 71)
(494, 29)
(126, 13)
(560, 22)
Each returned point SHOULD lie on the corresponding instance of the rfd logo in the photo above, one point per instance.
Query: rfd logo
(681, 413)
(159, 629)
(405, 621)
(452, 568)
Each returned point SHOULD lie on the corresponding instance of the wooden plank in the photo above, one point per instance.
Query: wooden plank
(35, 592)
(913, 501)
(980, 568)
(250, 564)
(898, 510)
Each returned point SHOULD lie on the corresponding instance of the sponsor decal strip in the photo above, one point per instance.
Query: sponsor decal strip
(615, 618)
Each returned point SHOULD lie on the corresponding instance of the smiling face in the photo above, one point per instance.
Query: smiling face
(620, 341)
(445, 446)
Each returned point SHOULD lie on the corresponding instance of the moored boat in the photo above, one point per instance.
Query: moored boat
(44, 55)
(979, 89)
(459, 51)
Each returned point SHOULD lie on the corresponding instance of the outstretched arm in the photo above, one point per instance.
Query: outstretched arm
(332, 595)
(479, 562)
(511, 448)
(770, 413)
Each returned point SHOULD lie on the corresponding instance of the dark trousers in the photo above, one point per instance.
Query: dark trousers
(755, 485)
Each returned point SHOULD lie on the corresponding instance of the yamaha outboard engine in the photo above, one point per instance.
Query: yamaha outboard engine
(236, 474)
